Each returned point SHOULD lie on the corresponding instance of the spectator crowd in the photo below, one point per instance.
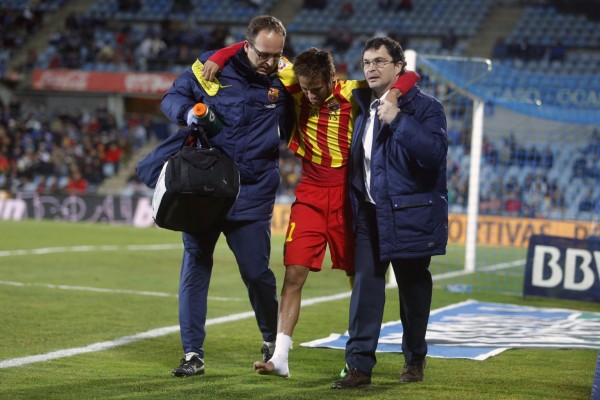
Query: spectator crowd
(69, 151)
(74, 151)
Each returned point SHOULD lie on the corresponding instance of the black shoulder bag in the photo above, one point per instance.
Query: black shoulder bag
(196, 188)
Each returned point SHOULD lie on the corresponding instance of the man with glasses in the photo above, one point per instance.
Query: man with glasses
(325, 110)
(264, 57)
(399, 202)
(254, 110)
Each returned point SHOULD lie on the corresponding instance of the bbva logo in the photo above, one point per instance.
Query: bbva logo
(578, 271)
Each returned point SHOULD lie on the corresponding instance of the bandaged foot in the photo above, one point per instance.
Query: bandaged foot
(275, 366)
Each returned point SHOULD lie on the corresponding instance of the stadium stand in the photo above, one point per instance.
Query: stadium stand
(521, 175)
(20, 20)
(547, 41)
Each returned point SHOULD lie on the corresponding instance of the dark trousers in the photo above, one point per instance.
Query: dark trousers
(250, 242)
(368, 298)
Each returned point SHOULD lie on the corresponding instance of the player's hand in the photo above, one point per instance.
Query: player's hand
(387, 110)
(393, 95)
(210, 71)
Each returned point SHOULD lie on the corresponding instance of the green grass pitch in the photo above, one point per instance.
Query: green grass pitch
(97, 283)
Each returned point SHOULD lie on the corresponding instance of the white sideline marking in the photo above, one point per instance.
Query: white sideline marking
(454, 274)
(104, 290)
(87, 289)
(49, 250)
(81, 249)
(154, 333)
(151, 334)
(17, 362)
(496, 267)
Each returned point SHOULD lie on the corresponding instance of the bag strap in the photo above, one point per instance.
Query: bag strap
(203, 137)
(199, 133)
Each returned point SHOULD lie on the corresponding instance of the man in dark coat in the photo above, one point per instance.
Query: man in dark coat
(399, 199)
(252, 105)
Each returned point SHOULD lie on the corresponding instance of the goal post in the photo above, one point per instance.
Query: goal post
(474, 179)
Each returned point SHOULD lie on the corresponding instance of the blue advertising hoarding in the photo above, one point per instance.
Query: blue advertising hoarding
(563, 268)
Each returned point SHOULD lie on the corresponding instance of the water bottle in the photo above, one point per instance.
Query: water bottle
(207, 119)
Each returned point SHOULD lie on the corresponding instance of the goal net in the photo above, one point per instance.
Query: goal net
(523, 159)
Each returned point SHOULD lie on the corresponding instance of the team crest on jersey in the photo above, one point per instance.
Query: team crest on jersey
(333, 105)
(273, 94)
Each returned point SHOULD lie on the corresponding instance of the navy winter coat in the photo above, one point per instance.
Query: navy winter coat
(408, 177)
(255, 114)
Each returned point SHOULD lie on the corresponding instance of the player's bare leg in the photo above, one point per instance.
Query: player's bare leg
(289, 312)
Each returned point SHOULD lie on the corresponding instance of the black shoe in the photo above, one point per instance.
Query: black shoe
(193, 366)
(267, 351)
(412, 373)
(354, 379)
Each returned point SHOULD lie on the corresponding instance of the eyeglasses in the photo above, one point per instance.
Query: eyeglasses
(265, 56)
(377, 63)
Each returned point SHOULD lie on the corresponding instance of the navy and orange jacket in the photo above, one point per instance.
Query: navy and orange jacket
(255, 112)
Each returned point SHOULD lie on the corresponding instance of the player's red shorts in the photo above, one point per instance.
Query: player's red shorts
(321, 216)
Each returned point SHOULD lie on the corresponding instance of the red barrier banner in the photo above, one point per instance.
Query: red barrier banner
(102, 82)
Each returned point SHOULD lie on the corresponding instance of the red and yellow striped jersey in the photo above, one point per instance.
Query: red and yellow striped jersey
(323, 134)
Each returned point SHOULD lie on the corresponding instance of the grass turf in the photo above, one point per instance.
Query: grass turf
(38, 317)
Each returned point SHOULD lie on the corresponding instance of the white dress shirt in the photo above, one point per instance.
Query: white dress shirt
(368, 146)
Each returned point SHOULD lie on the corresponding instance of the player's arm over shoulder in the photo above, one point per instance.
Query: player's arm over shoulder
(285, 72)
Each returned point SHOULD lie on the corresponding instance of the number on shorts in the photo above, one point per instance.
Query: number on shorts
(290, 232)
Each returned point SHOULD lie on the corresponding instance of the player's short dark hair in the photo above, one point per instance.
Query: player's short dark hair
(314, 64)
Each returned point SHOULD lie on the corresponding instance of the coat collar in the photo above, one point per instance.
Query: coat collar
(241, 64)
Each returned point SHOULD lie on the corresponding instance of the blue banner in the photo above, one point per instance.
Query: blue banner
(563, 268)
(477, 331)
(574, 99)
